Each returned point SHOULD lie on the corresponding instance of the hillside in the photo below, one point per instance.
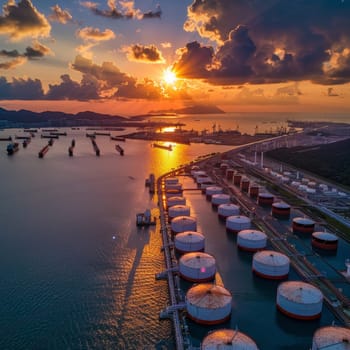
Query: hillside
(331, 161)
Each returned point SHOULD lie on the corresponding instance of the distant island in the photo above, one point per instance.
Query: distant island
(195, 109)
(26, 118)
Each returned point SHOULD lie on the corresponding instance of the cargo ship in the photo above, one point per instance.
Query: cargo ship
(12, 148)
(119, 149)
(43, 151)
(158, 145)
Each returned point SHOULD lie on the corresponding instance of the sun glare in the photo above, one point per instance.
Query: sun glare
(169, 76)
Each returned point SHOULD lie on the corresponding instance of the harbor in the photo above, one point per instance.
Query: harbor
(335, 298)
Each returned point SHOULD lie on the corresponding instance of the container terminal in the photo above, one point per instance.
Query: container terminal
(268, 216)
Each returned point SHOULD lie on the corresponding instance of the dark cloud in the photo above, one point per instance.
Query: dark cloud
(23, 20)
(21, 89)
(87, 89)
(143, 53)
(13, 53)
(270, 41)
(146, 90)
(60, 15)
(127, 10)
(194, 61)
(37, 51)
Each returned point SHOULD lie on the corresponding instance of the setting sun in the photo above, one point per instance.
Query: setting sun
(169, 76)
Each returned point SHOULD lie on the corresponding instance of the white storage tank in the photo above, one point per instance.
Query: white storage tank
(173, 193)
(208, 304)
(324, 240)
(183, 223)
(331, 338)
(177, 186)
(189, 241)
(203, 179)
(265, 199)
(198, 172)
(281, 210)
(209, 191)
(303, 225)
(228, 339)
(299, 300)
(220, 198)
(236, 223)
(176, 200)
(178, 210)
(197, 267)
(271, 264)
(251, 240)
(228, 209)
(205, 185)
(171, 181)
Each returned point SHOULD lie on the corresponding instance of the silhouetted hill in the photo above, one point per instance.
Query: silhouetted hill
(196, 109)
(331, 161)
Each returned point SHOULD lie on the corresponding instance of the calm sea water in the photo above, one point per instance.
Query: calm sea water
(78, 274)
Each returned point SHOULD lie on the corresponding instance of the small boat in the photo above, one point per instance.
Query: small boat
(91, 135)
(145, 219)
(118, 138)
(70, 151)
(56, 133)
(44, 136)
(158, 145)
(26, 142)
(12, 148)
(50, 143)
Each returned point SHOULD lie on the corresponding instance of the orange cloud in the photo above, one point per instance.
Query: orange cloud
(145, 54)
(23, 20)
(60, 15)
(94, 34)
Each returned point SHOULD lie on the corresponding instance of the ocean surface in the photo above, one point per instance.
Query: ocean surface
(78, 274)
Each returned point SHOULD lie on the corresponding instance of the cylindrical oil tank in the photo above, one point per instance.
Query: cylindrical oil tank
(197, 173)
(171, 181)
(281, 210)
(189, 241)
(251, 240)
(183, 223)
(220, 198)
(194, 169)
(229, 174)
(237, 179)
(205, 185)
(244, 184)
(324, 240)
(228, 209)
(265, 199)
(253, 190)
(208, 304)
(331, 337)
(209, 191)
(176, 200)
(236, 223)
(299, 300)
(303, 225)
(173, 193)
(197, 267)
(271, 264)
(228, 339)
(223, 168)
(177, 186)
(178, 210)
(202, 179)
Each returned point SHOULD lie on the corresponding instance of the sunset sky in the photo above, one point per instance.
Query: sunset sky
(130, 57)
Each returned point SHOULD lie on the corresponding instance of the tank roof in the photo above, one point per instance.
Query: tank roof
(227, 339)
(327, 236)
(209, 296)
(252, 234)
(197, 260)
(228, 206)
(300, 292)
(332, 335)
(183, 218)
(238, 218)
(281, 205)
(271, 258)
(190, 236)
(303, 221)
